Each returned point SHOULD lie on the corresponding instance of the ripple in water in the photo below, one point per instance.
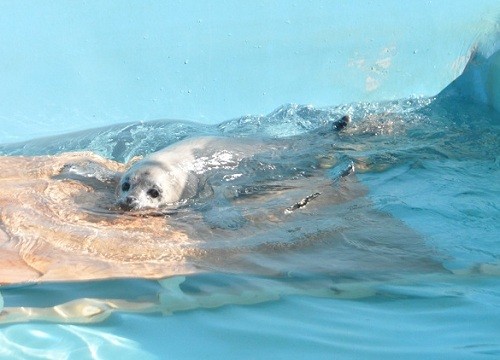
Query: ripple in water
(63, 225)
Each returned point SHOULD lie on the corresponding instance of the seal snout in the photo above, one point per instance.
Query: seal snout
(129, 203)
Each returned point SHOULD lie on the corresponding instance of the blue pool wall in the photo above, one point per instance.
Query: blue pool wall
(66, 67)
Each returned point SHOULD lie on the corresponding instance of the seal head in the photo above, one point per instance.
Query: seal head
(150, 185)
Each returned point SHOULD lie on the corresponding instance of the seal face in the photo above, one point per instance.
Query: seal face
(143, 187)
(156, 181)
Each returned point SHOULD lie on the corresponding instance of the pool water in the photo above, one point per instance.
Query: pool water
(429, 164)
(405, 265)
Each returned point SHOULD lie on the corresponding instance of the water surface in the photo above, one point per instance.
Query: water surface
(407, 266)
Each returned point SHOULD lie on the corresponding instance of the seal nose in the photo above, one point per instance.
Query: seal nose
(129, 202)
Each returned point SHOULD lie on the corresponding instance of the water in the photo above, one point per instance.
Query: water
(414, 274)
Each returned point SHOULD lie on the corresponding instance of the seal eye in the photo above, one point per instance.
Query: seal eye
(153, 193)
(125, 186)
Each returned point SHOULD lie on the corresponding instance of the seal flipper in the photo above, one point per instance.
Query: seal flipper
(342, 123)
(333, 127)
(326, 188)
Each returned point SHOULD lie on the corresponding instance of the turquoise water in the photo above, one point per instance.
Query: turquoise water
(95, 63)
(430, 162)
(430, 167)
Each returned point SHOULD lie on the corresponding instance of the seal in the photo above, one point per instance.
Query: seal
(177, 172)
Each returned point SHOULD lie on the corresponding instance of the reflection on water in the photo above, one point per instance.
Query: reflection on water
(40, 342)
(387, 322)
